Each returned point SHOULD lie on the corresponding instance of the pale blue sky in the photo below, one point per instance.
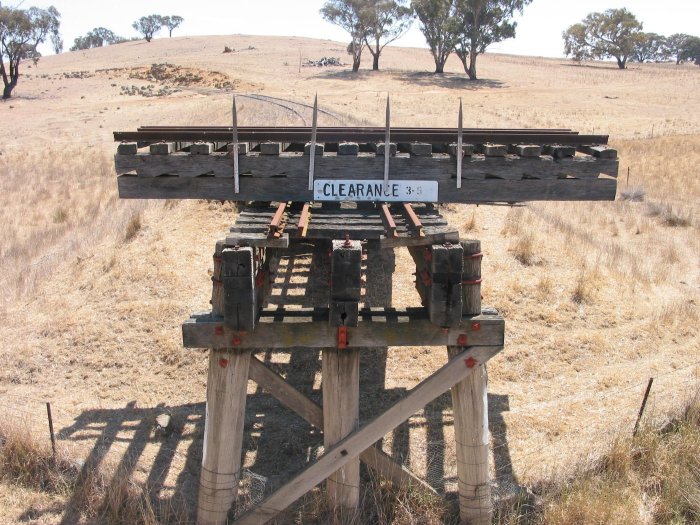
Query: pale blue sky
(539, 28)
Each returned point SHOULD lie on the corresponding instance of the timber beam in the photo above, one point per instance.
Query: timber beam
(280, 328)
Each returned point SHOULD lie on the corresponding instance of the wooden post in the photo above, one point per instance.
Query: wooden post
(471, 277)
(470, 407)
(346, 271)
(341, 416)
(223, 434)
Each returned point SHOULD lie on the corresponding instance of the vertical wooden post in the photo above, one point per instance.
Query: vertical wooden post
(223, 434)
(471, 277)
(470, 406)
(341, 416)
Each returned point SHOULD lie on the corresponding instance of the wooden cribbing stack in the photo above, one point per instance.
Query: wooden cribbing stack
(351, 193)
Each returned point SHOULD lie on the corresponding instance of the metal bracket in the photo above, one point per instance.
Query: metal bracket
(342, 337)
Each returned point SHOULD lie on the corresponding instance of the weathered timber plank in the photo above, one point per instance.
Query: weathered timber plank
(238, 276)
(470, 408)
(430, 237)
(445, 292)
(528, 150)
(341, 417)
(259, 240)
(348, 148)
(495, 150)
(467, 149)
(309, 328)
(365, 166)
(420, 149)
(320, 148)
(128, 148)
(162, 148)
(558, 151)
(270, 148)
(275, 385)
(202, 148)
(602, 152)
(223, 434)
(346, 272)
(482, 191)
(457, 369)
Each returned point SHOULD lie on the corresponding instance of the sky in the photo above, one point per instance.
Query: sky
(538, 33)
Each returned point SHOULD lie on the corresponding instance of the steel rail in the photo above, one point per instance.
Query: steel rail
(345, 128)
(350, 134)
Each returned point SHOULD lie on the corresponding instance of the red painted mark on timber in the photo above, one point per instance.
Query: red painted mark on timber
(476, 327)
(235, 341)
(223, 362)
(470, 362)
(462, 340)
(218, 330)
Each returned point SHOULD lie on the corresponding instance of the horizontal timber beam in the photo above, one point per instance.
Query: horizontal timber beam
(309, 328)
(282, 189)
(366, 166)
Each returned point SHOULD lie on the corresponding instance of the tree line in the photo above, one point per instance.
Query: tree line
(465, 27)
(147, 26)
(616, 33)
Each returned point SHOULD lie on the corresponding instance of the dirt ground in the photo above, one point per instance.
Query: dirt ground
(597, 297)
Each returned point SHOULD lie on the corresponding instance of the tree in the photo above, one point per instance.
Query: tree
(98, 37)
(385, 21)
(438, 25)
(348, 15)
(613, 33)
(21, 31)
(57, 43)
(172, 22)
(676, 45)
(481, 23)
(148, 26)
(649, 47)
(691, 51)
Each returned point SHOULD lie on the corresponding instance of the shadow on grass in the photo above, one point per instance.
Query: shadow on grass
(279, 441)
(417, 78)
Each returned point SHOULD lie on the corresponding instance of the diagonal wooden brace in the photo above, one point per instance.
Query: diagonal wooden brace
(290, 397)
(459, 367)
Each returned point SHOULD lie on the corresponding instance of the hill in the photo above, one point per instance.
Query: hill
(597, 297)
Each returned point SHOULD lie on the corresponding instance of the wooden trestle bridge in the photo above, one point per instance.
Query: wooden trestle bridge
(363, 190)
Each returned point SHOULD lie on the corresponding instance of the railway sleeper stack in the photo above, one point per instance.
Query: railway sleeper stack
(355, 200)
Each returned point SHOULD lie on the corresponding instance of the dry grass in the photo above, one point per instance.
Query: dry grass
(108, 496)
(607, 293)
(653, 478)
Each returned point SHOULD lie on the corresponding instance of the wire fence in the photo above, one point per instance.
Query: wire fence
(130, 436)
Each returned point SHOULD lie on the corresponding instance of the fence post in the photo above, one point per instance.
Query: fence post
(51, 434)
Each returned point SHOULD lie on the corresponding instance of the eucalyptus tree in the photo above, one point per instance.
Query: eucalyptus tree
(384, 22)
(610, 34)
(348, 14)
(438, 24)
(481, 23)
(21, 31)
(172, 22)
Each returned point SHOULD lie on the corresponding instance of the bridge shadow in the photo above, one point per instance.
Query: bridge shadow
(277, 442)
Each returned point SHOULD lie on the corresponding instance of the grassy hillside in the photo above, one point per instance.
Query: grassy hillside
(597, 297)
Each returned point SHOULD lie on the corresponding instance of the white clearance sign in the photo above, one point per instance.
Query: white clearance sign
(376, 190)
